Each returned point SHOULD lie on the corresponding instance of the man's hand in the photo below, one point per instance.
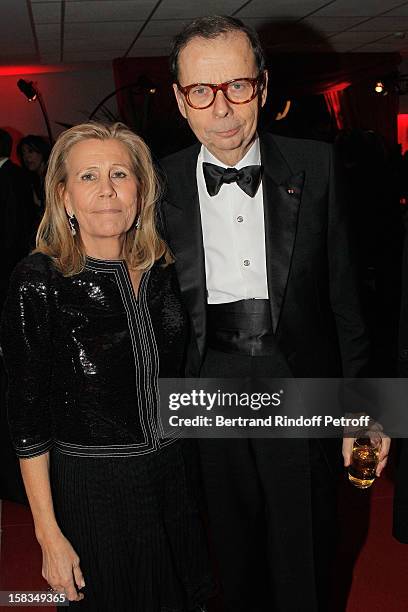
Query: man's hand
(383, 456)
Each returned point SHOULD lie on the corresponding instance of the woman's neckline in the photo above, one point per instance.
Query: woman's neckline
(103, 260)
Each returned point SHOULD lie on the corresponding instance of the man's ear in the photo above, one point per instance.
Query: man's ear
(264, 93)
(181, 103)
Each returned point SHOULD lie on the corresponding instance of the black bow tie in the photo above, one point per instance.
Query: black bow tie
(248, 178)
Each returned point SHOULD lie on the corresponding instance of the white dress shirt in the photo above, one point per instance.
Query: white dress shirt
(234, 235)
(3, 161)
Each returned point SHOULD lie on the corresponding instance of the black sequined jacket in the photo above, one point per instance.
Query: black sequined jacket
(83, 356)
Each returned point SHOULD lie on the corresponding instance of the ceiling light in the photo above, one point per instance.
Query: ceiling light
(380, 87)
(392, 83)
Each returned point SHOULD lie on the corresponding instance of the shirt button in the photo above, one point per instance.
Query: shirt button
(240, 219)
(247, 262)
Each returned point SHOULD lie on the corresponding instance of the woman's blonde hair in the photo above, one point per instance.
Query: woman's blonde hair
(143, 245)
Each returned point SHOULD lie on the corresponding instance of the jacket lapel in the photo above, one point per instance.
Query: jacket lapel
(184, 235)
(282, 192)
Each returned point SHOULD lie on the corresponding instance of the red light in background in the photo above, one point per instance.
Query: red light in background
(333, 96)
(36, 69)
(403, 131)
(337, 86)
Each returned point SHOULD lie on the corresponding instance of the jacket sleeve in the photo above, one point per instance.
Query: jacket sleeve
(344, 292)
(27, 349)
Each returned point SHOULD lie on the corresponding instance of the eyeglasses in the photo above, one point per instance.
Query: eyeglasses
(236, 91)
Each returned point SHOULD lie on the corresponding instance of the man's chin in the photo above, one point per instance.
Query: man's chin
(228, 144)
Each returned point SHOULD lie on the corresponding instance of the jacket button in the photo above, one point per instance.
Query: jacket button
(404, 354)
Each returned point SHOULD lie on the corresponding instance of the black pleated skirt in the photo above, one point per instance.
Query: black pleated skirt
(135, 524)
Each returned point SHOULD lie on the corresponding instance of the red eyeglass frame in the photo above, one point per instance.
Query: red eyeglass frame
(256, 82)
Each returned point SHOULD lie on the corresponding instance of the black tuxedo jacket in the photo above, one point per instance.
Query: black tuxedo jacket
(15, 225)
(16, 220)
(400, 526)
(403, 323)
(312, 290)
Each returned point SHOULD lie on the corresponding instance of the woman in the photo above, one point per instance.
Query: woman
(87, 316)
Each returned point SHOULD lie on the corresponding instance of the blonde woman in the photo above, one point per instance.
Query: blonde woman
(92, 318)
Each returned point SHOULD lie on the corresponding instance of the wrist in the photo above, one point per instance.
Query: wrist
(47, 533)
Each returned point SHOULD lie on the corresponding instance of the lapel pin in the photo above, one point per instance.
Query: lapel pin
(290, 190)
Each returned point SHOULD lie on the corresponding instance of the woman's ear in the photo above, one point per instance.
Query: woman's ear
(62, 192)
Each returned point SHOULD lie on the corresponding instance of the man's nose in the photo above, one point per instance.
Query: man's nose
(221, 106)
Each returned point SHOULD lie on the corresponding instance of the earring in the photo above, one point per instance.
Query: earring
(71, 220)
(137, 224)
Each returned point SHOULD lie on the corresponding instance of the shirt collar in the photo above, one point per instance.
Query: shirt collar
(251, 158)
(3, 161)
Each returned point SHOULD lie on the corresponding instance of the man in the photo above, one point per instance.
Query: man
(16, 206)
(262, 255)
(400, 518)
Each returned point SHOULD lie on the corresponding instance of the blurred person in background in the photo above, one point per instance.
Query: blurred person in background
(376, 229)
(16, 219)
(33, 152)
(16, 206)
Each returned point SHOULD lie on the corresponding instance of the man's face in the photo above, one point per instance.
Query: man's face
(226, 129)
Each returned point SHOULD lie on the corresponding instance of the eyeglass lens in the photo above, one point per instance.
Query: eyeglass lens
(237, 91)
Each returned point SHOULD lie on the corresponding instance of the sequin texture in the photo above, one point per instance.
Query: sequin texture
(82, 355)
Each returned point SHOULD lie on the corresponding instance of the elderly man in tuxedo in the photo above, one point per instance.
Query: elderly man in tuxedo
(258, 232)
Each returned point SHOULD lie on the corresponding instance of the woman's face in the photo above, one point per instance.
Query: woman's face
(33, 160)
(101, 189)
